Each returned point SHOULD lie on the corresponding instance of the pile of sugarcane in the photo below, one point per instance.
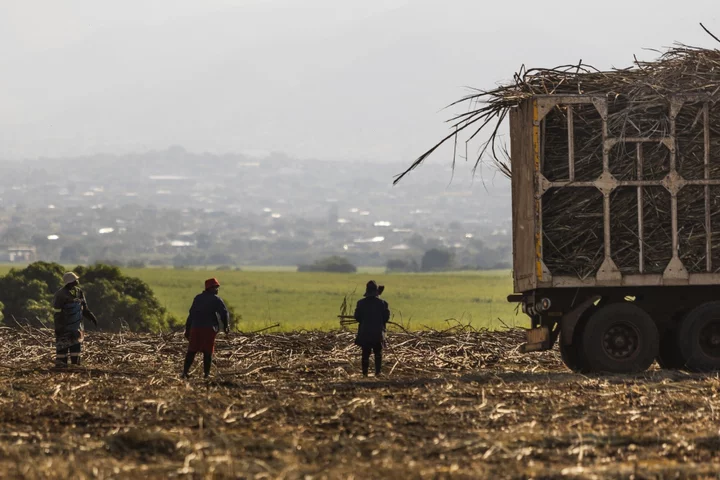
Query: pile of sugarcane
(638, 100)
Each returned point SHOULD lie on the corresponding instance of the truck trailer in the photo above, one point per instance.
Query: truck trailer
(615, 179)
(616, 319)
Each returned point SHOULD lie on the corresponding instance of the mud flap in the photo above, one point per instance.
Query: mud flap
(537, 339)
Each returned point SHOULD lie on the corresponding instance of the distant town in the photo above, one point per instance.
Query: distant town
(182, 209)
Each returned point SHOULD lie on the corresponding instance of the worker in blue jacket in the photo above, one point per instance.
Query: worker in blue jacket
(208, 314)
(372, 314)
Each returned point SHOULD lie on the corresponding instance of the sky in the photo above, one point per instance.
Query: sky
(330, 79)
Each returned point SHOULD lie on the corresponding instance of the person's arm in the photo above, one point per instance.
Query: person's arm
(188, 322)
(85, 309)
(59, 299)
(224, 314)
(386, 312)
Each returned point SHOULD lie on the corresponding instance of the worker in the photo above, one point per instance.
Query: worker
(69, 329)
(372, 314)
(208, 314)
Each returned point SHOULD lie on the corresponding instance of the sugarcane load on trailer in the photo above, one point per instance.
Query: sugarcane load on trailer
(615, 207)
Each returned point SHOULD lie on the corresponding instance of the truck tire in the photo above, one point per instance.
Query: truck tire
(620, 338)
(670, 356)
(699, 338)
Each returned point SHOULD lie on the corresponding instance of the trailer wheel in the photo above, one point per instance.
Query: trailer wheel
(620, 338)
(699, 338)
(670, 356)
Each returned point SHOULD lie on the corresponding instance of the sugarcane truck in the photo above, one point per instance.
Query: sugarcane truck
(610, 321)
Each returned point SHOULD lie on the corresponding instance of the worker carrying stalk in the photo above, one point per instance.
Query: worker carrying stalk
(69, 329)
(372, 314)
(208, 314)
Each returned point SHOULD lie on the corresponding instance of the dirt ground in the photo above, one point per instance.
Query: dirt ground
(460, 404)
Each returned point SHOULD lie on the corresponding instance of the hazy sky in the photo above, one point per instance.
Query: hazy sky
(314, 78)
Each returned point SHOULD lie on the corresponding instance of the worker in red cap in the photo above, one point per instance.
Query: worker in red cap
(208, 314)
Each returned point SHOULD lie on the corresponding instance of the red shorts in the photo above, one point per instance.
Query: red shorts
(202, 339)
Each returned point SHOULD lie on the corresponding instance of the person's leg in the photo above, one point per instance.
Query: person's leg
(61, 357)
(208, 353)
(365, 360)
(75, 351)
(378, 359)
(207, 362)
(189, 358)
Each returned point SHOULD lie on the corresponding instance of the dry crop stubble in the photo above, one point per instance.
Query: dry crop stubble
(461, 403)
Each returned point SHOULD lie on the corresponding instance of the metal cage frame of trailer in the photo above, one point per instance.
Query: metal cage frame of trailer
(529, 185)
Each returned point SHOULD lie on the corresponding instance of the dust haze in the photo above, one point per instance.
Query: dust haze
(113, 110)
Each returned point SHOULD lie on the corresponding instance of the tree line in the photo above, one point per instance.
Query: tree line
(120, 302)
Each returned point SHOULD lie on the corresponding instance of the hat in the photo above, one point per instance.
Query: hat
(70, 277)
(211, 283)
(371, 289)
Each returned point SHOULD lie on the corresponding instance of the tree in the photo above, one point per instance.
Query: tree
(115, 262)
(117, 300)
(74, 253)
(220, 259)
(436, 259)
(332, 264)
(400, 265)
(183, 260)
(482, 256)
(416, 241)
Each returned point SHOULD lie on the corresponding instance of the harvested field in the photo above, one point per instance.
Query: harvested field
(461, 403)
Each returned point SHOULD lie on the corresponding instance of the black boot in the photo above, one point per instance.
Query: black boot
(61, 357)
(75, 351)
(207, 362)
(378, 362)
(189, 359)
(365, 361)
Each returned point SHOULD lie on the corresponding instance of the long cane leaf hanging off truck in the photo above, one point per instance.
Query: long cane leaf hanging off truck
(615, 181)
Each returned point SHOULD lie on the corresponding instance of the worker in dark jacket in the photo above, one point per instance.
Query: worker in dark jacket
(372, 314)
(69, 329)
(208, 314)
